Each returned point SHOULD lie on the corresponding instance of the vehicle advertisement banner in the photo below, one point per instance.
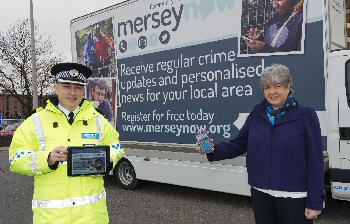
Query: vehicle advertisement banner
(183, 66)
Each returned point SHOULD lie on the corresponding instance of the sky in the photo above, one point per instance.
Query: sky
(52, 16)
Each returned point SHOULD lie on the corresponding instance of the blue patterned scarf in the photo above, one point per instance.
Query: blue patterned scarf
(275, 114)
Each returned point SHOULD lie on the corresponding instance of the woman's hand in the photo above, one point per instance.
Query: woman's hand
(311, 214)
(198, 148)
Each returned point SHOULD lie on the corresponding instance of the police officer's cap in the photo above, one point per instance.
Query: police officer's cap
(71, 73)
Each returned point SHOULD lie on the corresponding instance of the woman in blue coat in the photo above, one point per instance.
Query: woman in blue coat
(283, 143)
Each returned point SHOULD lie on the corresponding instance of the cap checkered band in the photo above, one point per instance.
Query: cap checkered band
(70, 74)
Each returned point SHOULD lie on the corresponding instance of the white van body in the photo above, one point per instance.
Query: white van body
(179, 66)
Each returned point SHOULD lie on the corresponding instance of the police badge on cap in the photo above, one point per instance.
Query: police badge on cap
(71, 73)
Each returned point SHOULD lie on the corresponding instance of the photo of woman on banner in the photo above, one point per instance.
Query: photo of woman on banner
(285, 30)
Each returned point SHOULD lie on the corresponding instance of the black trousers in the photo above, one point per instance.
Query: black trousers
(273, 210)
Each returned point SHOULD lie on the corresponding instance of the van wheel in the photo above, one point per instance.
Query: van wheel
(125, 175)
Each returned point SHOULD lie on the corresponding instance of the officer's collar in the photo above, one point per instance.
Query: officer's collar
(66, 112)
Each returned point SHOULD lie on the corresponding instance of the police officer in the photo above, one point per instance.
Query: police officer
(39, 149)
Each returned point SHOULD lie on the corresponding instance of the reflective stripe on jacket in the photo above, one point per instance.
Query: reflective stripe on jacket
(58, 198)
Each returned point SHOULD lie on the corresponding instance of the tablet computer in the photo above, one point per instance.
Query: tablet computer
(88, 160)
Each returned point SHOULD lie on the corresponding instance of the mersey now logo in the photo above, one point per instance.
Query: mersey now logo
(164, 19)
(172, 16)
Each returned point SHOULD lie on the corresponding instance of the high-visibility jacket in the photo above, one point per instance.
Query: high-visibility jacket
(58, 198)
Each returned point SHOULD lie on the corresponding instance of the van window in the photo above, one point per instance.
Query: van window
(347, 81)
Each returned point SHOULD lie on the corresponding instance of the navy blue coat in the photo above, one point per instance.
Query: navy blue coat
(285, 157)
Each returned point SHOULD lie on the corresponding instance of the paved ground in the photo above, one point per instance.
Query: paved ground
(152, 203)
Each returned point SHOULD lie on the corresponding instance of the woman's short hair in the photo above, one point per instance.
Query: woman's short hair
(276, 74)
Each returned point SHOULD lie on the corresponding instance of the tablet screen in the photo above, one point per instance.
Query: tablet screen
(87, 160)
